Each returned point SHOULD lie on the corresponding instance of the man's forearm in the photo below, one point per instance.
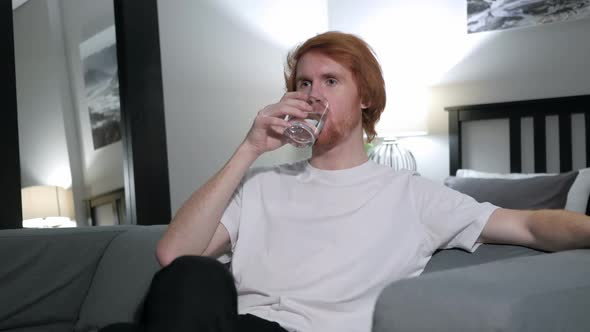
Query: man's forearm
(195, 222)
(555, 230)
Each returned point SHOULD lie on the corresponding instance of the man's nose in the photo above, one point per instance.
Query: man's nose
(315, 90)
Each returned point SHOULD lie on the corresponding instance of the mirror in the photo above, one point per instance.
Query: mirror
(68, 99)
(75, 143)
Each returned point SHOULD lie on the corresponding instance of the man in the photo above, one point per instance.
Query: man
(313, 243)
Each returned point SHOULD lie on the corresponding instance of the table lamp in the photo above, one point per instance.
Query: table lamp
(47, 207)
(388, 152)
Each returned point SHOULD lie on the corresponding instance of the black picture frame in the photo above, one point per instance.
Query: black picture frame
(142, 112)
(11, 211)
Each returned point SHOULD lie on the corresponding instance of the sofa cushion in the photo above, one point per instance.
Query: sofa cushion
(122, 278)
(549, 292)
(45, 275)
(455, 258)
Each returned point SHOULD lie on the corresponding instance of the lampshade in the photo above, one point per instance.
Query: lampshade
(391, 154)
(47, 201)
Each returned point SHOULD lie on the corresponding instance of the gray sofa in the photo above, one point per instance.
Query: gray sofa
(81, 279)
(498, 288)
(74, 279)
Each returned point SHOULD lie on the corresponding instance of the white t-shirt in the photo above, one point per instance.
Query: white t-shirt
(312, 249)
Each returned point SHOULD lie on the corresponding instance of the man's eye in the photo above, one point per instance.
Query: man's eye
(303, 84)
(331, 81)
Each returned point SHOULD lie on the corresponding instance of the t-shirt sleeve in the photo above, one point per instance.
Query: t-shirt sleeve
(451, 219)
(231, 216)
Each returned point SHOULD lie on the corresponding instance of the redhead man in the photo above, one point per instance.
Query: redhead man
(313, 243)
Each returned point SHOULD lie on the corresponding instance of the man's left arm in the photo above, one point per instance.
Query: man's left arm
(549, 230)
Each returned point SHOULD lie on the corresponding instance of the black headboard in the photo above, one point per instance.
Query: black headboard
(538, 109)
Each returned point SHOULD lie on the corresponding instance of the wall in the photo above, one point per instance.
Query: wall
(219, 68)
(427, 55)
(538, 62)
(40, 117)
(222, 62)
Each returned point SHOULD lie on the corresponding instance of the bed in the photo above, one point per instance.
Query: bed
(538, 136)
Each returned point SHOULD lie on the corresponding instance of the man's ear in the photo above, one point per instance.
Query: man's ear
(365, 105)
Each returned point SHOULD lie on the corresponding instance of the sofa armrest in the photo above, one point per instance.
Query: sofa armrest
(453, 258)
(548, 292)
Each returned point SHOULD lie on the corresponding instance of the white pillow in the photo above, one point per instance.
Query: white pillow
(577, 196)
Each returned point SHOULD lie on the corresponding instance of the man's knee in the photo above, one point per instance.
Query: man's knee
(199, 281)
(121, 327)
(195, 270)
(197, 264)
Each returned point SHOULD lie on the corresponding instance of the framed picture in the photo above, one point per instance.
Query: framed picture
(487, 15)
(101, 82)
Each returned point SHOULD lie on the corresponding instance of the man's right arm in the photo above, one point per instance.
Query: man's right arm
(196, 227)
(197, 221)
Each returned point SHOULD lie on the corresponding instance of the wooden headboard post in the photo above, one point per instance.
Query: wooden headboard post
(454, 141)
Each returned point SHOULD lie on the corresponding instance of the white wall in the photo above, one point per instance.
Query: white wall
(424, 43)
(222, 62)
(529, 63)
(219, 68)
(40, 116)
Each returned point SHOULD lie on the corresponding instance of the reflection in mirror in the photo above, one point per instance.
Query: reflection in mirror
(107, 209)
(68, 101)
(47, 207)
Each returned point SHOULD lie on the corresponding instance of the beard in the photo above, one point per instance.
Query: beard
(333, 133)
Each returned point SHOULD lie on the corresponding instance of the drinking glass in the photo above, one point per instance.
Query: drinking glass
(303, 132)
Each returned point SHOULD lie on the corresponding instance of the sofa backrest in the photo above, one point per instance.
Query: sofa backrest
(61, 279)
(122, 279)
(45, 274)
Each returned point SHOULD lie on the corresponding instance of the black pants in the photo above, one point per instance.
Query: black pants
(194, 294)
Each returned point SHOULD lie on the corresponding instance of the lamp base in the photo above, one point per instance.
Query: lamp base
(391, 154)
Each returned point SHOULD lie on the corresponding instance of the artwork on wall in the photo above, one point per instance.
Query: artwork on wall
(99, 60)
(487, 15)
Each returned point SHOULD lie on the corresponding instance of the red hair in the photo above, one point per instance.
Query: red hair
(357, 56)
